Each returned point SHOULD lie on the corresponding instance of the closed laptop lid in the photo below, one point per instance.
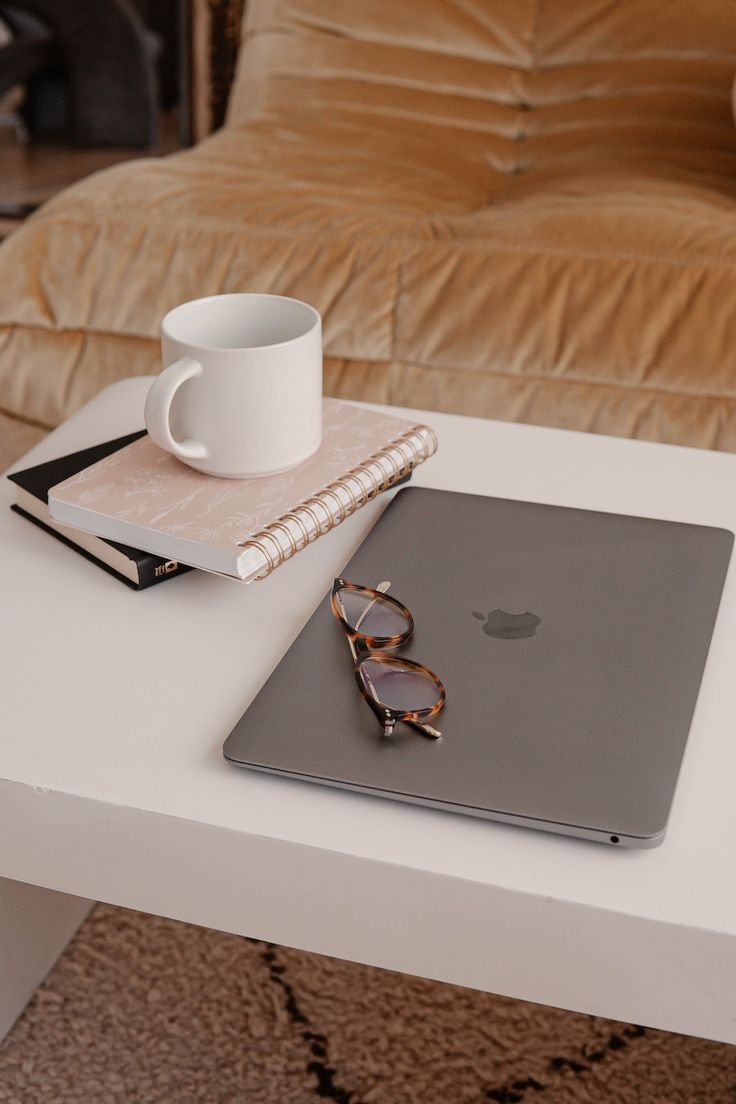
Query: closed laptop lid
(571, 644)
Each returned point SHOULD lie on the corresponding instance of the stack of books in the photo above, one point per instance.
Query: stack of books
(144, 516)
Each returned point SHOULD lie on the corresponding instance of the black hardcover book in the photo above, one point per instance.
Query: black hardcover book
(137, 569)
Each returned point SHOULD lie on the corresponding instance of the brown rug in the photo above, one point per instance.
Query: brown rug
(141, 1010)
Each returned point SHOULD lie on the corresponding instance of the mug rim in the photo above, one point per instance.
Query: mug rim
(167, 318)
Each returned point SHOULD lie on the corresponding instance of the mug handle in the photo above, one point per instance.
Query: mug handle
(158, 407)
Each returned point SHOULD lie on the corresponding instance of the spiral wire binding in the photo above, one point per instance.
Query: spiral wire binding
(394, 462)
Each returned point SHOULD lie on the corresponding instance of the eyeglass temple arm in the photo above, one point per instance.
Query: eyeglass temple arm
(381, 588)
(425, 729)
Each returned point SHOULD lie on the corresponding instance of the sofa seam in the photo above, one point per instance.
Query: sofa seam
(494, 374)
(395, 311)
(572, 381)
(548, 66)
(483, 247)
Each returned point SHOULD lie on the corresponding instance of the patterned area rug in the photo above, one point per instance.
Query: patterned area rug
(141, 1010)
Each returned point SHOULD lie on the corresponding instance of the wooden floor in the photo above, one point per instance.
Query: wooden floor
(32, 173)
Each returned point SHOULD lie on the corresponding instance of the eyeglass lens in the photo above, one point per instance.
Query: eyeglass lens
(370, 615)
(398, 685)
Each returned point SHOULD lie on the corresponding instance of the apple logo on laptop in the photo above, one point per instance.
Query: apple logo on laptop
(508, 626)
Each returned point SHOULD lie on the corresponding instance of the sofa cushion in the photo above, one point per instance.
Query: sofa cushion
(16, 438)
(510, 215)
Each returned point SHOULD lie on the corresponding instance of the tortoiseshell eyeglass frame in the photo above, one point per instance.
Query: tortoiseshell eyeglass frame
(363, 646)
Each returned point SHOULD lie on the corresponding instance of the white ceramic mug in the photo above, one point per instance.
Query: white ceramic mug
(240, 394)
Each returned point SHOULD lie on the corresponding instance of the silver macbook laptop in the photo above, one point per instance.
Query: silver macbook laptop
(571, 644)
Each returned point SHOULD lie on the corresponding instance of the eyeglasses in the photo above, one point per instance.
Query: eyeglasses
(396, 689)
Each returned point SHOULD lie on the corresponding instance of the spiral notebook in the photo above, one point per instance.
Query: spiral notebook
(243, 528)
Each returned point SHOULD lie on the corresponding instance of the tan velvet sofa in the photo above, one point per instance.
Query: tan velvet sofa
(521, 209)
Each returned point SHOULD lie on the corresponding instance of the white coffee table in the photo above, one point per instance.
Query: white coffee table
(115, 705)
